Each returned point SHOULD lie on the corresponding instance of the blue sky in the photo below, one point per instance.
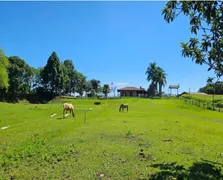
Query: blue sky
(109, 41)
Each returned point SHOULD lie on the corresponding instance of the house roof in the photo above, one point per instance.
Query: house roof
(131, 88)
(195, 93)
(199, 93)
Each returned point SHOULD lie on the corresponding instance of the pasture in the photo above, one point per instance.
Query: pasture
(155, 139)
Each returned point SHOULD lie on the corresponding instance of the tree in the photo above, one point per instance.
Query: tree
(151, 75)
(66, 80)
(151, 90)
(210, 80)
(81, 83)
(3, 71)
(95, 85)
(106, 89)
(52, 75)
(88, 88)
(71, 73)
(206, 18)
(19, 74)
(161, 79)
(69, 65)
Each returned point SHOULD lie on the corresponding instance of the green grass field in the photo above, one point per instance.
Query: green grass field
(179, 141)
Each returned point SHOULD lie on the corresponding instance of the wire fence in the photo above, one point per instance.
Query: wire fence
(203, 104)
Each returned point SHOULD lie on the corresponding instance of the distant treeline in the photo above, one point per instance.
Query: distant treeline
(213, 88)
(18, 80)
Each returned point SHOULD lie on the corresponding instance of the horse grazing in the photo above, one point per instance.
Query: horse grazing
(68, 107)
(123, 106)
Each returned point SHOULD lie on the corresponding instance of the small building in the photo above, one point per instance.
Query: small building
(174, 87)
(132, 92)
(193, 93)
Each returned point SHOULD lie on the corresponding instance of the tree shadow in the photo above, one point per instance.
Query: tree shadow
(204, 170)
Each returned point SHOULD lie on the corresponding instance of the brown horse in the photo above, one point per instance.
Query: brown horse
(123, 106)
(68, 107)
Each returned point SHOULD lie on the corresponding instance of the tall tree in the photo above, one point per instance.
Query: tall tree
(106, 90)
(88, 86)
(3, 70)
(66, 80)
(71, 76)
(95, 85)
(81, 83)
(161, 78)
(206, 19)
(19, 74)
(151, 75)
(52, 75)
(69, 65)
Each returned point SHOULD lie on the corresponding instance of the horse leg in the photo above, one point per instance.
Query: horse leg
(72, 112)
(63, 113)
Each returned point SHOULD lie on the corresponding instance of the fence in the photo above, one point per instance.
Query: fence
(202, 104)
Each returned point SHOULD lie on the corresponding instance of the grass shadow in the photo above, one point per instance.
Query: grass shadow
(204, 170)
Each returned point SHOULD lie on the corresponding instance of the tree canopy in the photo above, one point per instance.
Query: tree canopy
(3, 70)
(52, 74)
(19, 73)
(55, 78)
(157, 76)
(206, 19)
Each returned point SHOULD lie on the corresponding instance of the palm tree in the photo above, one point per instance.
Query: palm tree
(160, 78)
(106, 89)
(95, 85)
(151, 75)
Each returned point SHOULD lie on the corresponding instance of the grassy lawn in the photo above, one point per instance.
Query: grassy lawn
(176, 141)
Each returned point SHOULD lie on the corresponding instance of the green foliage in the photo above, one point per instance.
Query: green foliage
(95, 85)
(52, 75)
(206, 18)
(41, 84)
(151, 90)
(20, 75)
(161, 78)
(206, 99)
(93, 93)
(71, 79)
(81, 83)
(216, 88)
(106, 89)
(66, 80)
(88, 86)
(156, 75)
(3, 70)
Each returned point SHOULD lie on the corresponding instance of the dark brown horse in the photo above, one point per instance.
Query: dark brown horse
(123, 106)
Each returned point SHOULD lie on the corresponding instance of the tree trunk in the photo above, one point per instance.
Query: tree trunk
(160, 89)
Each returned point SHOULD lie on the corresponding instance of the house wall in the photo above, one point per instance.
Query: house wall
(128, 94)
